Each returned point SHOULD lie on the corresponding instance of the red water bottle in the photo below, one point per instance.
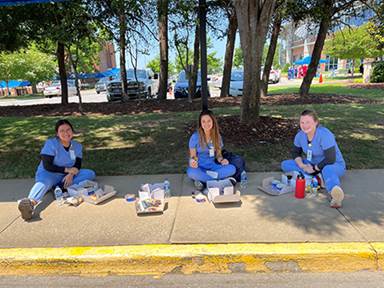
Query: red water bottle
(300, 187)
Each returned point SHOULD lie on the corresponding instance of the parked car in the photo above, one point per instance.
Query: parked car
(55, 89)
(237, 78)
(146, 86)
(274, 76)
(101, 85)
(182, 84)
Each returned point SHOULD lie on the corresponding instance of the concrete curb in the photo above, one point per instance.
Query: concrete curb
(193, 258)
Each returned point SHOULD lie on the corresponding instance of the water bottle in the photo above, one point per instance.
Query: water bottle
(58, 195)
(314, 187)
(243, 180)
(167, 189)
(300, 187)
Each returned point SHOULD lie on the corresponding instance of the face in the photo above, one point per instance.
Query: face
(206, 123)
(65, 133)
(308, 124)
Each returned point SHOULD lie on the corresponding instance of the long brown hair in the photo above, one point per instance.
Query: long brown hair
(215, 133)
(311, 113)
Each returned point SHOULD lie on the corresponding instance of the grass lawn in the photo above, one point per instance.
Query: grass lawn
(377, 94)
(156, 143)
(22, 97)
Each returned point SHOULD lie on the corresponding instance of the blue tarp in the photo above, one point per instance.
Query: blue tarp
(14, 84)
(306, 60)
(111, 72)
(23, 2)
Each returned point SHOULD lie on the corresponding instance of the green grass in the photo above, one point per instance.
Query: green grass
(157, 143)
(377, 94)
(22, 97)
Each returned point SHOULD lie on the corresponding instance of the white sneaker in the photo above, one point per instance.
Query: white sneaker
(337, 195)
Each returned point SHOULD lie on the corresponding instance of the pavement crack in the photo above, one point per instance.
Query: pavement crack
(13, 221)
(365, 239)
(357, 229)
(176, 209)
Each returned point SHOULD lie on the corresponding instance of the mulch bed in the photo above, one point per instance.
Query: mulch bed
(180, 105)
(264, 130)
(368, 86)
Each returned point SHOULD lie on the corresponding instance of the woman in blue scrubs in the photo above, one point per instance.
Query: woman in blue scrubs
(60, 165)
(315, 151)
(206, 161)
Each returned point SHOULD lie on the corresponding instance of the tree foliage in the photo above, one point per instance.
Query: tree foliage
(352, 43)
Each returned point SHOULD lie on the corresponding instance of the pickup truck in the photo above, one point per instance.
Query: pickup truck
(146, 86)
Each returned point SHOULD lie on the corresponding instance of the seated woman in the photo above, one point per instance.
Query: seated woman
(204, 150)
(322, 155)
(60, 165)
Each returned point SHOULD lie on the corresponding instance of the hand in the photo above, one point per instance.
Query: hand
(308, 169)
(72, 170)
(224, 162)
(193, 163)
(68, 180)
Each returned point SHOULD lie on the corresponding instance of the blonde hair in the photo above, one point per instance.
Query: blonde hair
(215, 133)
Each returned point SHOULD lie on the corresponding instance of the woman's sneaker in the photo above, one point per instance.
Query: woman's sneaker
(337, 195)
(26, 208)
(199, 185)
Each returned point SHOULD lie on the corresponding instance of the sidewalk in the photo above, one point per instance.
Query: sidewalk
(279, 233)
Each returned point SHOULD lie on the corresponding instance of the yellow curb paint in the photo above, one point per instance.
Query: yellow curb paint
(379, 248)
(188, 259)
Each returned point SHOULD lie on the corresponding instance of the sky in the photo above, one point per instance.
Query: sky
(154, 50)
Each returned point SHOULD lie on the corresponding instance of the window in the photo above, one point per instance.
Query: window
(332, 63)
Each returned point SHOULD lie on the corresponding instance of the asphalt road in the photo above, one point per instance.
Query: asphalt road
(264, 280)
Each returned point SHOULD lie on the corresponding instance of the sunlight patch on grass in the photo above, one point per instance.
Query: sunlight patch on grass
(363, 136)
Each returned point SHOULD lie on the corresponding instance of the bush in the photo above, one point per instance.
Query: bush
(378, 73)
(285, 68)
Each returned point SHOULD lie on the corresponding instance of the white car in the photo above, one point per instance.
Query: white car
(55, 89)
(237, 78)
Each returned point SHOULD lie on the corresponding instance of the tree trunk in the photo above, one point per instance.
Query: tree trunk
(316, 54)
(34, 88)
(162, 8)
(7, 85)
(203, 45)
(62, 73)
(192, 80)
(353, 68)
(271, 54)
(74, 67)
(123, 69)
(253, 18)
(228, 59)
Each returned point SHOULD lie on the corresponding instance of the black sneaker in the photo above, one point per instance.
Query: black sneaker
(26, 208)
(199, 185)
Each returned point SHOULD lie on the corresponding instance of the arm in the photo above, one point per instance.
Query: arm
(296, 154)
(329, 158)
(193, 158)
(49, 166)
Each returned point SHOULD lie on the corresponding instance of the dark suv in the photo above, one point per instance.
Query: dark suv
(181, 86)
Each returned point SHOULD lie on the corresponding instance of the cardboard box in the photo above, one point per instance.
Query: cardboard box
(271, 189)
(222, 191)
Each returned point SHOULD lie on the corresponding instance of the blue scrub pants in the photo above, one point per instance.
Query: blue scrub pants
(200, 174)
(331, 173)
(45, 180)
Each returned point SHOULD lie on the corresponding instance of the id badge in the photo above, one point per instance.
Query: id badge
(72, 154)
(309, 155)
(211, 151)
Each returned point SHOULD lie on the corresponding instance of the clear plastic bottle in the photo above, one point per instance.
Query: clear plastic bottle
(58, 195)
(243, 180)
(167, 189)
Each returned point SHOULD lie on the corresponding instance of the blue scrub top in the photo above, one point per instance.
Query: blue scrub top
(202, 152)
(322, 140)
(53, 147)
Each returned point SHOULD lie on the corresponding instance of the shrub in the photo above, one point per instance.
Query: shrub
(378, 73)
